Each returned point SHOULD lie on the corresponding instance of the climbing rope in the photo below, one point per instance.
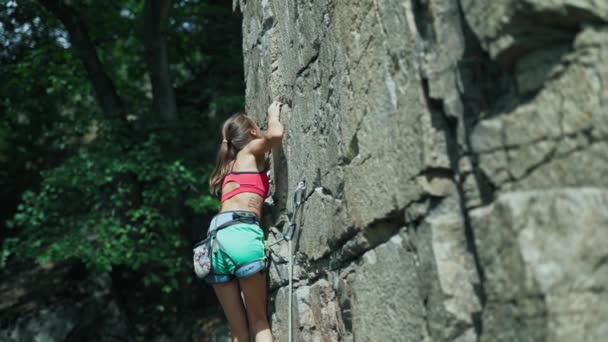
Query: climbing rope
(298, 200)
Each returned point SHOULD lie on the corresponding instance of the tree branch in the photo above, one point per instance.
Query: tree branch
(107, 97)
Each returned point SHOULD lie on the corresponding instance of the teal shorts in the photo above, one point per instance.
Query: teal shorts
(244, 253)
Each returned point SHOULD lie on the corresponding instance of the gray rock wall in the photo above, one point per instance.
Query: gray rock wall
(456, 156)
(58, 302)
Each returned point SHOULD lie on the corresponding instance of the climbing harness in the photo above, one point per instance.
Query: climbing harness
(298, 200)
(204, 248)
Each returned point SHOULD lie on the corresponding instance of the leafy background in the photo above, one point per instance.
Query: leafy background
(116, 185)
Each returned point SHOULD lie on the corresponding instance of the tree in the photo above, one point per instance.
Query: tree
(156, 24)
(95, 93)
(108, 99)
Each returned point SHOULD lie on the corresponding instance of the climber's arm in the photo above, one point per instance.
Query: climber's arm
(273, 135)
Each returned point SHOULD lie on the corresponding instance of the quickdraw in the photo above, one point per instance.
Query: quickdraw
(298, 200)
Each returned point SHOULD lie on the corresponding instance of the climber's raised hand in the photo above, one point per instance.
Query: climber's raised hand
(273, 135)
(274, 110)
(275, 128)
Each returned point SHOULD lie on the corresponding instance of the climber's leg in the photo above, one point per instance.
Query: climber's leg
(254, 290)
(229, 296)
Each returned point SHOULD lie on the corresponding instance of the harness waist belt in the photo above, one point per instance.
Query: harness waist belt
(228, 218)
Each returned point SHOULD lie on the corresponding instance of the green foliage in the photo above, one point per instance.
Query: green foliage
(110, 211)
(80, 184)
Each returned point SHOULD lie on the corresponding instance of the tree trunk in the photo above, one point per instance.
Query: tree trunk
(156, 22)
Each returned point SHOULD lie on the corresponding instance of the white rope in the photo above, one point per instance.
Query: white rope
(290, 337)
(298, 200)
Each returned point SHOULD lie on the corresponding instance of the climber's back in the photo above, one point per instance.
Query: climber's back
(245, 186)
(240, 173)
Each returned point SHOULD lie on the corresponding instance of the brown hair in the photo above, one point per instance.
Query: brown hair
(235, 136)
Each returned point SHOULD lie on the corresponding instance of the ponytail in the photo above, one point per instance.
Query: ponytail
(225, 155)
(234, 137)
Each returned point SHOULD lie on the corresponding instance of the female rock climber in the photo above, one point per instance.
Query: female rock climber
(239, 264)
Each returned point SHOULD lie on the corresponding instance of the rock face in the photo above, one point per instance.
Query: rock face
(59, 303)
(65, 302)
(456, 158)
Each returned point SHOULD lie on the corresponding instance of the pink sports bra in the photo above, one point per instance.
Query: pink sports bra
(249, 181)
